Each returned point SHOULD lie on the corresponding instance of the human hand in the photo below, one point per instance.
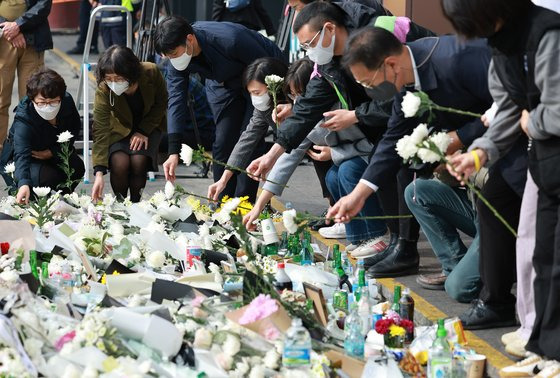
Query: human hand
(250, 218)
(98, 185)
(19, 41)
(524, 121)
(137, 140)
(324, 153)
(10, 30)
(350, 205)
(260, 167)
(461, 166)
(339, 119)
(281, 112)
(42, 155)
(169, 167)
(216, 188)
(23, 194)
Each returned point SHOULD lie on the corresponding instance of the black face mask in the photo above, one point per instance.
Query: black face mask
(384, 91)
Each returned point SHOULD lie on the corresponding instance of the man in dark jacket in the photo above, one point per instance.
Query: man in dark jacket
(453, 74)
(316, 25)
(219, 52)
(24, 36)
(253, 16)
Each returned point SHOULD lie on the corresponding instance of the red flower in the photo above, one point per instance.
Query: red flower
(5, 247)
(382, 326)
(407, 324)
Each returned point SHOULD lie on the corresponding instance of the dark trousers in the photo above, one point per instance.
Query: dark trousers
(321, 169)
(85, 11)
(113, 34)
(392, 200)
(230, 123)
(497, 243)
(48, 173)
(546, 261)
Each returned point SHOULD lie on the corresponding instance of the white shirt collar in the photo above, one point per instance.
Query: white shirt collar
(417, 84)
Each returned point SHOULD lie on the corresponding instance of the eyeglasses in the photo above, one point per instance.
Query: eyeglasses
(44, 104)
(307, 45)
(369, 85)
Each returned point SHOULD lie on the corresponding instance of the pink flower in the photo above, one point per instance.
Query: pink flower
(64, 339)
(271, 333)
(197, 301)
(261, 307)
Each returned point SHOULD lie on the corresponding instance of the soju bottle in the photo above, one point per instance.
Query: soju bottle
(396, 297)
(338, 269)
(306, 253)
(33, 263)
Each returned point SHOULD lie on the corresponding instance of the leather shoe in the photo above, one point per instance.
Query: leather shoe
(482, 316)
(76, 50)
(403, 259)
(435, 281)
(370, 261)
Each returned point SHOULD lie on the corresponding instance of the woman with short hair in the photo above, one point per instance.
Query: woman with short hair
(32, 144)
(128, 119)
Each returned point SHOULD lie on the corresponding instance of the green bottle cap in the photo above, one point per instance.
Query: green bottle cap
(441, 331)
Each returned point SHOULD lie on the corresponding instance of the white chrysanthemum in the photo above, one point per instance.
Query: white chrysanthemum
(289, 219)
(64, 136)
(169, 189)
(271, 359)
(202, 339)
(9, 276)
(41, 191)
(441, 140)
(158, 198)
(186, 154)
(232, 345)
(257, 371)
(135, 254)
(405, 148)
(156, 259)
(419, 134)
(10, 168)
(428, 156)
(273, 79)
(410, 104)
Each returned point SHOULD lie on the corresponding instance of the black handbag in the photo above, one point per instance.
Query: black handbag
(544, 164)
(7, 156)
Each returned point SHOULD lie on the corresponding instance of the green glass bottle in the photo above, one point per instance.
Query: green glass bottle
(45, 270)
(396, 298)
(306, 253)
(295, 249)
(338, 269)
(33, 263)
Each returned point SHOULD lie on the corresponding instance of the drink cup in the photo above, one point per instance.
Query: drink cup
(474, 364)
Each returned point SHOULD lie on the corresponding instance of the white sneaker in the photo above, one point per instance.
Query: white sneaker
(370, 247)
(523, 368)
(510, 337)
(336, 231)
(551, 369)
(517, 348)
(350, 247)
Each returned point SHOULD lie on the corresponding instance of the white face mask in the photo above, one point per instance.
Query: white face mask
(262, 102)
(49, 112)
(319, 54)
(182, 62)
(118, 87)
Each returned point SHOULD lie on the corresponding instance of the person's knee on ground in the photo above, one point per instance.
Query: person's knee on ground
(120, 166)
(456, 287)
(139, 166)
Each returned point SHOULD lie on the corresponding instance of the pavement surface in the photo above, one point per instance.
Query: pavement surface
(304, 193)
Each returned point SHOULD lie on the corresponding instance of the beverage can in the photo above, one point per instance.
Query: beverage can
(193, 253)
(340, 300)
(374, 319)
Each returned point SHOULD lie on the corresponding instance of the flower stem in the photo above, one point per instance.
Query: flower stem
(232, 168)
(452, 110)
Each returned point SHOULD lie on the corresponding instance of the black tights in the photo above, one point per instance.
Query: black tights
(52, 176)
(129, 172)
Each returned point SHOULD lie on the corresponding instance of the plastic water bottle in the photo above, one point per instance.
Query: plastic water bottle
(297, 346)
(364, 310)
(354, 341)
(439, 355)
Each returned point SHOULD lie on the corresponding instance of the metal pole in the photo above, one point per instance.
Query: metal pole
(85, 68)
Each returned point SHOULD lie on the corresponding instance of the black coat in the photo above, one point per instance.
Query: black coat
(30, 132)
(320, 94)
(254, 16)
(34, 24)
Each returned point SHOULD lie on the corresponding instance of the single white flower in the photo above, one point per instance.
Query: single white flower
(10, 168)
(158, 198)
(242, 368)
(41, 191)
(271, 359)
(202, 339)
(410, 104)
(257, 372)
(225, 361)
(156, 259)
(169, 189)
(289, 219)
(64, 136)
(9, 276)
(273, 79)
(232, 345)
(406, 148)
(135, 254)
(186, 154)
(419, 134)
(441, 141)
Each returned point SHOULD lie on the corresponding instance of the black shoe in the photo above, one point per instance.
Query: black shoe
(401, 260)
(371, 261)
(93, 50)
(483, 316)
(76, 50)
(315, 225)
